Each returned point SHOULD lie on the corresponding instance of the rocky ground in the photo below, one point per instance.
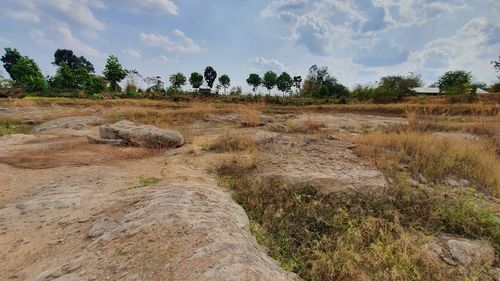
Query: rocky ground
(74, 210)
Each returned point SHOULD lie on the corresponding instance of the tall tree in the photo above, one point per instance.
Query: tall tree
(70, 59)
(269, 80)
(284, 82)
(297, 82)
(177, 80)
(400, 86)
(255, 81)
(225, 82)
(28, 74)
(196, 80)
(210, 76)
(114, 73)
(11, 57)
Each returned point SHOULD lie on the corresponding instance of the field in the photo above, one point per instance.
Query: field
(405, 191)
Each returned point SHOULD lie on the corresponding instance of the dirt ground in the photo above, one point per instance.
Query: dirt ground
(70, 210)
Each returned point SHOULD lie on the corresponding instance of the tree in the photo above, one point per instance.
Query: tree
(196, 80)
(255, 81)
(95, 85)
(114, 73)
(319, 76)
(177, 80)
(70, 59)
(456, 83)
(11, 57)
(400, 86)
(210, 76)
(269, 80)
(225, 82)
(133, 76)
(297, 82)
(153, 83)
(496, 64)
(284, 82)
(28, 74)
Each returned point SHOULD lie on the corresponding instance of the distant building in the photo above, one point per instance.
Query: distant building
(435, 91)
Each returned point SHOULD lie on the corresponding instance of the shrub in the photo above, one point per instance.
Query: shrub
(95, 85)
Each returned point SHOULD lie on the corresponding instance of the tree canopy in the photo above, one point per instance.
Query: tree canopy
(70, 59)
(284, 82)
(196, 80)
(456, 83)
(9, 59)
(269, 80)
(225, 81)
(114, 73)
(28, 74)
(255, 81)
(177, 80)
(210, 76)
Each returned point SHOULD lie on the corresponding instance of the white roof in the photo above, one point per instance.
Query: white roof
(434, 90)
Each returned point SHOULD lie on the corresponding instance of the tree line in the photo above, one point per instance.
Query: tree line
(77, 73)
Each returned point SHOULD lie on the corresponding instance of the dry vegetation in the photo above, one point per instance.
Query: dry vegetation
(231, 143)
(8, 127)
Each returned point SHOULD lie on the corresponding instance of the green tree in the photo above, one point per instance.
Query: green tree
(70, 59)
(95, 85)
(400, 86)
(114, 73)
(269, 80)
(319, 76)
(210, 76)
(255, 81)
(196, 80)
(11, 57)
(225, 82)
(457, 82)
(297, 82)
(177, 80)
(284, 83)
(28, 74)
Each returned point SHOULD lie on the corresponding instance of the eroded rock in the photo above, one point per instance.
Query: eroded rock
(141, 135)
(75, 123)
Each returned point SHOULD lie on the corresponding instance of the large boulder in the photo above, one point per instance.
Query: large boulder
(75, 123)
(141, 135)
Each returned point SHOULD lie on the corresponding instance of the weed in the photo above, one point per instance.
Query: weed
(8, 127)
(231, 143)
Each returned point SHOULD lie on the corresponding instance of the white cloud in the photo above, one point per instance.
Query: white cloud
(182, 44)
(134, 54)
(262, 64)
(4, 40)
(23, 15)
(66, 39)
(147, 6)
(163, 59)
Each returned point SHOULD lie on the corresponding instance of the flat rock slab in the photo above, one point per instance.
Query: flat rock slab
(141, 135)
(75, 123)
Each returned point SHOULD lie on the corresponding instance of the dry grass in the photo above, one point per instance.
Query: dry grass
(356, 236)
(434, 157)
(250, 117)
(232, 143)
(82, 153)
(7, 127)
(308, 125)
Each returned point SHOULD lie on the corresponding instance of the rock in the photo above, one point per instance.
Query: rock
(263, 137)
(265, 119)
(460, 251)
(145, 135)
(413, 182)
(468, 252)
(98, 228)
(457, 182)
(351, 146)
(76, 123)
(114, 142)
(277, 127)
(333, 137)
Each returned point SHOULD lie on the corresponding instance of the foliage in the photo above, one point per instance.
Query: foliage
(133, 76)
(131, 90)
(8, 127)
(297, 82)
(11, 57)
(114, 73)
(210, 76)
(457, 83)
(177, 80)
(28, 74)
(196, 80)
(225, 81)
(69, 78)
(400, 86)
(284, 82)
(255, 81)
(95, 85)
(63, 56)
(154, 84)
(319, 76)
(269, 80)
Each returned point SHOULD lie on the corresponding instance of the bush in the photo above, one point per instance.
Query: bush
(95, 85)
(131, 90)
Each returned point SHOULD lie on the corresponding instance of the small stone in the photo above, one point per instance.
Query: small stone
(98, 228)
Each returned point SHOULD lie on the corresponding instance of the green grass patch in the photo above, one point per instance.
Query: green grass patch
(8, 127)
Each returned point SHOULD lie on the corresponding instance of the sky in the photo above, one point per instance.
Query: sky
(359, 41)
